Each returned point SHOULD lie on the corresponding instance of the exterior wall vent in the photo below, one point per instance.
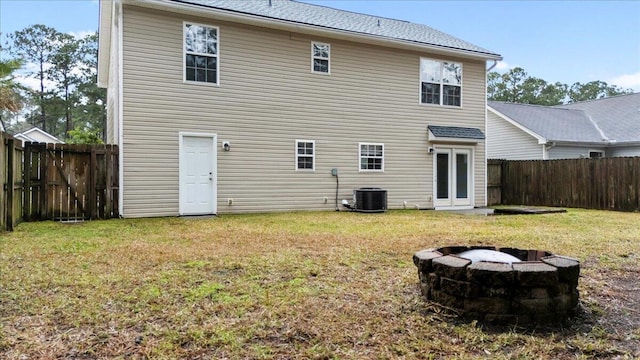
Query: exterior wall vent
(370, 200)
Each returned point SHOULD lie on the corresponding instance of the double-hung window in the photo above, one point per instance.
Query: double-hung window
(440, 82)
(305, 155)
(371, 157)
(201, 53)
(320, 56)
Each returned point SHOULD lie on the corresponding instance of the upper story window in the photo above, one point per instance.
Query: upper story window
(201, 53)
(440, 82)
(371, 157)
(320, 56)
(305, 155)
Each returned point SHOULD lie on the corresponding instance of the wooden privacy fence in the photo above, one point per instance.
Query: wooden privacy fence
(605, 183)
(57, 182)
(11, 191)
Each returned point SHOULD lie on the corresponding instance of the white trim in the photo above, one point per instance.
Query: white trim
(440, 83)
(313, 58)
(486, 135)
(41, 132)
(436, 139)
(233, 16)
(181, 169)
(104, 41)
(121, 188)
(471, 179)
(313, 156)
(184, 54)
(540, 138)
(360, 169)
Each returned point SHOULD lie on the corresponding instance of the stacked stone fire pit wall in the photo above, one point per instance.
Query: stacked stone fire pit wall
(541, 288)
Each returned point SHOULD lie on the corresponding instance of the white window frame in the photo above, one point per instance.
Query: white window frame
(441, 83)
(184, 55)
(360, 169)
(314, 57)
(313, 156)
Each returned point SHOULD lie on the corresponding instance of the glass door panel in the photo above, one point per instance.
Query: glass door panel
(442, 175)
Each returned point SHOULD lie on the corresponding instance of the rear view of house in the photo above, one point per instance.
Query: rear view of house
(268, 105)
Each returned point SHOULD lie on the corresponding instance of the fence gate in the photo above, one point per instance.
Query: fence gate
(70, 182)
(11, 184)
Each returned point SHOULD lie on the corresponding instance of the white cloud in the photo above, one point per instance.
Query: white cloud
(627, 81)
(502, 66)
(34, 83)
(81, 34)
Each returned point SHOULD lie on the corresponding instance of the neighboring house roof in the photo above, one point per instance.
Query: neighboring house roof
(618, 116)
(552, 123)
(37, 135)
(303, 18)
(456, 132)
(318, 15)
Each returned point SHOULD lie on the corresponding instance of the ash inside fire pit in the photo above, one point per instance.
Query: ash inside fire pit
(500, 285)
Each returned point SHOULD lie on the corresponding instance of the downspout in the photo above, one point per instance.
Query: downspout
(550, 146)
(486, 175)
(495, 63)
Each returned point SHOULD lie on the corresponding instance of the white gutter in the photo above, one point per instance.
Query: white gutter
(104, 41)
(284, 25)
(117, 6)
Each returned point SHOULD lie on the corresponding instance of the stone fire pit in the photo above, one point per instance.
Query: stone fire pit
(513, 285)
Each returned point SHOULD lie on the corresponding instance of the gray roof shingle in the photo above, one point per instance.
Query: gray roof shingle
(552, 123)
(618, 116)
(326, 17)
(456, 132)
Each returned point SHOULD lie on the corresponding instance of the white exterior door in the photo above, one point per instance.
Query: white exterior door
(198, 175)
(453, 180)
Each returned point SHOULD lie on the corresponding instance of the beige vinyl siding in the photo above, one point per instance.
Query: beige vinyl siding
(506, 141)
(268, 97)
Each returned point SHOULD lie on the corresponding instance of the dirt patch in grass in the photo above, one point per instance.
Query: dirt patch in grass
(297, 286)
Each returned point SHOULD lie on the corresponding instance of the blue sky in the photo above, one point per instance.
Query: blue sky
(565, 41)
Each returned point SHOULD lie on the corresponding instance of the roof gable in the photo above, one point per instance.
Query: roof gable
(37, 135)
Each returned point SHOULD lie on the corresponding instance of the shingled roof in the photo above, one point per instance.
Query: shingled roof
(456, 132)
(345, 21)
(618, 116)
(553, 124)
(612, 120)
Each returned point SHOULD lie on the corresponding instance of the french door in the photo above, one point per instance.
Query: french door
(453, 180)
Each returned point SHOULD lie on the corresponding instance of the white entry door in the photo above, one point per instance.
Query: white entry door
(198, 175)
(452, 178)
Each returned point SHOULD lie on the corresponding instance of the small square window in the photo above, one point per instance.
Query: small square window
(371, 157)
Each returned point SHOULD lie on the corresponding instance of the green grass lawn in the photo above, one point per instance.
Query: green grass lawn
(303, 285)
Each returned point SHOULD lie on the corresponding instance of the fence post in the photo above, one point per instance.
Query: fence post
(10, 183)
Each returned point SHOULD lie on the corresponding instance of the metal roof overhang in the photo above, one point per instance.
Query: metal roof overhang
(455, 135)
